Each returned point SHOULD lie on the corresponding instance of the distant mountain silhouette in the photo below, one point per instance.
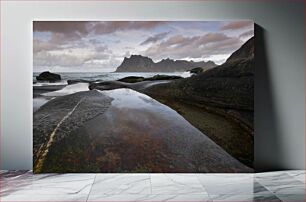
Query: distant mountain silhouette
(138, 63)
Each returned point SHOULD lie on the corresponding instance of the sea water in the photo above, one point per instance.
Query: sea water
(104, 76)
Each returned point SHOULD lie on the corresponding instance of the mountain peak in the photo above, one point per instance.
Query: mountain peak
(139, 63)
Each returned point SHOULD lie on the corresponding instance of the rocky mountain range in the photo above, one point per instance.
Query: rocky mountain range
(139, 63)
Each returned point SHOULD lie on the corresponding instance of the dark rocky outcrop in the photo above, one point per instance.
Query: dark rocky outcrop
(223, 95)
(229, 86)
(246, 51)
(48, 76)
(138, 63)
(162, 77)
(137, 86)
(132, 79)
(158, 77)
(108, 85)
(196, 70)
(74, 81)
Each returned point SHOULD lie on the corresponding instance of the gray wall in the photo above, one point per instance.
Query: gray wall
(279, 85)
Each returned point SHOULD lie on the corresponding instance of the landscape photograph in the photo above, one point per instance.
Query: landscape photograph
(143, 96)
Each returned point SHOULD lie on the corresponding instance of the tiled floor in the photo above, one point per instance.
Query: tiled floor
(273, 186)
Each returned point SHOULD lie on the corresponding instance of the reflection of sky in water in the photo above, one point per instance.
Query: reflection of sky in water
(63, 82)
(128, 98)
(137, 112)
(125, 98)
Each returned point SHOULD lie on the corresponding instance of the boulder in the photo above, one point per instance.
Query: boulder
(132, 79)
(196, 70)
(74, 81)
(48, 76)
(107, 85)
(162, 77)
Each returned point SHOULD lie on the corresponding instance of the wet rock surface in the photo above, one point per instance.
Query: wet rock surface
(136, 134)
(60, 117)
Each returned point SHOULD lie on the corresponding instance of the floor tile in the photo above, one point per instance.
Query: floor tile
(286, 186)
(43, 198)
(117, 184)
(281, 183)
(291, 197)
(231, 198)
(265, 198)
(175, 184)
(272, 175)
(48, 184)
(245, 198)
(233, 184)
(13, 181)
(180, 198)
(149, 198)
(260, 189)
(298, 175)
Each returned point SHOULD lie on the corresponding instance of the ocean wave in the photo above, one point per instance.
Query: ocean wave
(63, 82)
(186, 74)
(69, 90)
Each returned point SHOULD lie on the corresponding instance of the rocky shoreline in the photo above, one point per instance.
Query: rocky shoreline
(164, 123)
(81, 123)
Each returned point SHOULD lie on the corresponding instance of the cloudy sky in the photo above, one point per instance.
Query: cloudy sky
(79, 46)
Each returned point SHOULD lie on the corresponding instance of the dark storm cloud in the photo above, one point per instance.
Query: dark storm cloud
(61, 41)
(110, 27)
(155, 38)
(57, 42)
(63, 27)
(180, 46)
(66, 31)
(84, 28)
(237, 25)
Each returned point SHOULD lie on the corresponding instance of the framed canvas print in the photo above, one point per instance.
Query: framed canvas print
(143, 96)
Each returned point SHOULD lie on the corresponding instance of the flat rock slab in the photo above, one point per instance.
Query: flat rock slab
(140, 134)
(122, 131)
(56, 120)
